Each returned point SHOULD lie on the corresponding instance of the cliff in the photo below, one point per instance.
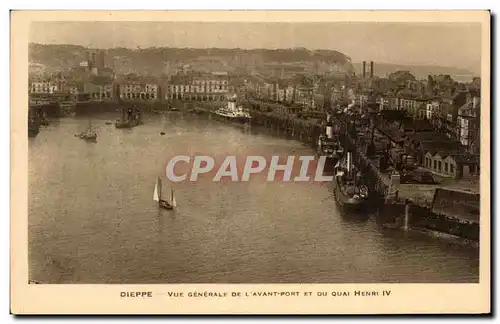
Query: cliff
(154, 60)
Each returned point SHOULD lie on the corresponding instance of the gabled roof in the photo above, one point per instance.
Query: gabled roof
(466, 158)
(441, 144)
(459, 158)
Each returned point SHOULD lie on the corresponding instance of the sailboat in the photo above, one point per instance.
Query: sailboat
(89, 135)
(170, 204)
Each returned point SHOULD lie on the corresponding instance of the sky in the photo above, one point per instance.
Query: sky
(443, 44)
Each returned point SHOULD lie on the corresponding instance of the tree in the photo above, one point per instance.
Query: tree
(401, 77)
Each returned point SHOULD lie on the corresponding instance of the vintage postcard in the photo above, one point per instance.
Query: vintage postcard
(250, 162)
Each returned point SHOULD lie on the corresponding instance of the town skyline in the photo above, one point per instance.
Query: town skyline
(359, 41)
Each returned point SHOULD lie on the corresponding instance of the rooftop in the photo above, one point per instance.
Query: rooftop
(416, 125)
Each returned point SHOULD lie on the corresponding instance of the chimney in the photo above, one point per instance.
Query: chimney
(364, 69)
(371, 69)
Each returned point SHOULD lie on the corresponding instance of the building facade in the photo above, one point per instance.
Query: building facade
(201, 87)
(139, 91)
(432, 109)
(468, 122)
(456, 166)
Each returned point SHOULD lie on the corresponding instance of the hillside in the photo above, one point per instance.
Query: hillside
(152, 60)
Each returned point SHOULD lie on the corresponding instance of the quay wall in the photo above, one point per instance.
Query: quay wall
(306, 131)
(450, 202)
(424, 218)
(94, 107)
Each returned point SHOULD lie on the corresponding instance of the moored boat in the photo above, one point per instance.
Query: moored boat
(33, 129)
(350, 192)
(89, 135)
(329, 146)
(130, 117)
(34, 121)
(33, 126)
(67, 109)
(233, 113)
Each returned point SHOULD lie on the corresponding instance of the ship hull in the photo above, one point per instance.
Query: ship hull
(330, 161)
(233, 119)
(128, 124)
(332, 156)
(165, 205)
(33, 132)
(347, 203)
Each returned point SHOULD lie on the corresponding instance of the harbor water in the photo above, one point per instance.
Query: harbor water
(92, 218)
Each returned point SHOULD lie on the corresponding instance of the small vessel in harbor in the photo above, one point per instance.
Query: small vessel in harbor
(350, 192)
(329, 146)
(89, 135)
(233, 113)
(67, 109)
(34, 121)
(130, 117)
(33, 127)
(43, 119)
(157, 196)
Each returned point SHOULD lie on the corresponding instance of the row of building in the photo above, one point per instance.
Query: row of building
(206, 87)
(458, 115)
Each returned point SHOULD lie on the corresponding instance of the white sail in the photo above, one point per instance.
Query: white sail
(155, 193)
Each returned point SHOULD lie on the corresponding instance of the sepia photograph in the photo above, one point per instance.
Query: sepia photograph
(232, 151)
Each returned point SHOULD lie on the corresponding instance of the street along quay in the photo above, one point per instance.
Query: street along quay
(443, 206)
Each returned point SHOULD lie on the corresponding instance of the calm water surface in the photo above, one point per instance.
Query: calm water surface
(92, 218)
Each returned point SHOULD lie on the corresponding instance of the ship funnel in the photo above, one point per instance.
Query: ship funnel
(329, 131)
(349, 161)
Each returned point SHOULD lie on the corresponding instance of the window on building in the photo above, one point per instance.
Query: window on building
(446, 167)
(439, 166)
(435, 164)
(452, 168)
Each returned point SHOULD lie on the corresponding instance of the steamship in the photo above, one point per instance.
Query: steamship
(233, 113)
(329, 146)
